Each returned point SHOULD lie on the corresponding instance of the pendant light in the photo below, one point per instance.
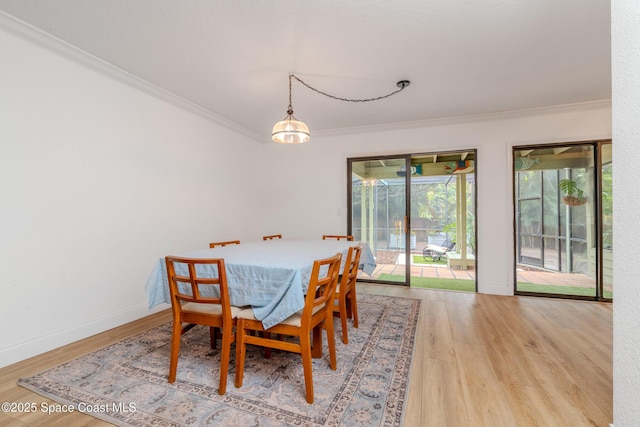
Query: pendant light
(290, 130)
(293, 131)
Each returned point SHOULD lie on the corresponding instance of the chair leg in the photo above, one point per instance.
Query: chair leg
(343, 319)
(331, 342)
(349, 311)
(240, 353)
(227, 330)
(354, 306)
(267, 350)
(305, 352)
(213, 333)
(175, 350)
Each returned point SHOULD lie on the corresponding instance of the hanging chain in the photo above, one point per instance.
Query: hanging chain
(401, 85)
(290, 109)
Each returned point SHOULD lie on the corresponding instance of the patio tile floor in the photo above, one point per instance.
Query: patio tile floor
(442, 272)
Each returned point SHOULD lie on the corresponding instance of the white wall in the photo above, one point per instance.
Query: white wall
(100, 180)
(626, 133)
(308, 182)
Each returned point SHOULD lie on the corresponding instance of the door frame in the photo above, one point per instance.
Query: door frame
(407, 207)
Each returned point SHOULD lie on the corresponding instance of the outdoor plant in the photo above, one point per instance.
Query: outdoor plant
(569, 188)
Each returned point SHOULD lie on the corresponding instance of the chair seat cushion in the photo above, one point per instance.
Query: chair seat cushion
(293, 320)
(215, 309)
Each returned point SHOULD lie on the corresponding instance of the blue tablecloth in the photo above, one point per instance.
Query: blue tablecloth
(271, 276)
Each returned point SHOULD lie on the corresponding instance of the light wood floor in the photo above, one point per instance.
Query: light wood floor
(480, 360)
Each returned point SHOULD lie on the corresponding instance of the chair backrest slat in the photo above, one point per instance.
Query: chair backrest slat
(350, 271)
(229, 242)
(210, 273)
(322, 284)
(337, 237)
(271, 237)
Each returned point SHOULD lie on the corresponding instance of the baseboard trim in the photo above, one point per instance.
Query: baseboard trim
(24, 350)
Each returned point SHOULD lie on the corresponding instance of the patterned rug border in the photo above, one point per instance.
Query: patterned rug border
(117, 413)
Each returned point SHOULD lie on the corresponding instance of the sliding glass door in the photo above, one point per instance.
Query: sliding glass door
(378, 212)
(563, 217)
(417, 213)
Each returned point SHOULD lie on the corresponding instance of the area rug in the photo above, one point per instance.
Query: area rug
(126, 383)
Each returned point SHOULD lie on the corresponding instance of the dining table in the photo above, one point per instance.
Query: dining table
(271, 276)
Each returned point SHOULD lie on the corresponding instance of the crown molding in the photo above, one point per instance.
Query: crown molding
(40, 38)
(487, 117)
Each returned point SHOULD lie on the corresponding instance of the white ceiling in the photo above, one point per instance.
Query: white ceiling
(233, 57)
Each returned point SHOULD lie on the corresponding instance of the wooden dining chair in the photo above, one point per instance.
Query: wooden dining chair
(229, 242)
(337, 237)
(273, 236)
(345, 294)
(316, 314)
(191, 307)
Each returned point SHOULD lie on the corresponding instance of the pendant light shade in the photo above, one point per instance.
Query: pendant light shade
(290, 131)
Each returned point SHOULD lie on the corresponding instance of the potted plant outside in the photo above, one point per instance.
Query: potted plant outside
(574, 196)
